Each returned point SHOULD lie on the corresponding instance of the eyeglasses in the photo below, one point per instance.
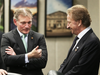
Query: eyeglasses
(24, 23)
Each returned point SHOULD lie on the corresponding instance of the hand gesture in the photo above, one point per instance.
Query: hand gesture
(10, 51)
(35, 53)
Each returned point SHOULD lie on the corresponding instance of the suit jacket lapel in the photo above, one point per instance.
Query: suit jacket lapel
(30, 41)
(69, 57)
(82, 40)
(80, 44)
(19, 41)
(70, 50)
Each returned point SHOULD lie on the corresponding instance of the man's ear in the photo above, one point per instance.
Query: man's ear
(80, 23)
(15, 22)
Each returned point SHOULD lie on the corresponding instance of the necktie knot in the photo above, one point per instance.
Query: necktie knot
(74, 42)
(24, 35)
(76, 38)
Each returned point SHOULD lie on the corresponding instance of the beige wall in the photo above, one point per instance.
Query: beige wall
(58, 47)
(93, 7)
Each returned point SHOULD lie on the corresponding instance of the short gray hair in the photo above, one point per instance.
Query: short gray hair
(23, 12)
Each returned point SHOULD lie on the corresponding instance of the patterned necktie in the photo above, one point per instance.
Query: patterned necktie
(24, 42)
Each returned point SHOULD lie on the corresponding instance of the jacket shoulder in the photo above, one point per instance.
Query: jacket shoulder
(8, 33)
(35, 33)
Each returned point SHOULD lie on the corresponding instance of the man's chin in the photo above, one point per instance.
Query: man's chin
(26, 32)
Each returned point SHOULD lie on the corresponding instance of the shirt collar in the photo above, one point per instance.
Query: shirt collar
(81, 34)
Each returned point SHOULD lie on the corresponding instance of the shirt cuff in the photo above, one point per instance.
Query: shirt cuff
(26, 59)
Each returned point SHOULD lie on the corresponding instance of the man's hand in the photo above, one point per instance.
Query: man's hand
(3, 72)
(10, 51)
(35, 53)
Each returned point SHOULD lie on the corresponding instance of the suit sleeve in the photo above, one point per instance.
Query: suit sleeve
(10, 60)
(89, 58)
(2, 66)
(39, 63)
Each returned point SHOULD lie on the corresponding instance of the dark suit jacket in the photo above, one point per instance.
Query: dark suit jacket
(84, 60)
(16, 63)
(2, 66)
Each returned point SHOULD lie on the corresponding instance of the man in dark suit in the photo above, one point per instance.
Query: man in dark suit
(26, 57)
(2, 67)
(83, 57)
(1, 62)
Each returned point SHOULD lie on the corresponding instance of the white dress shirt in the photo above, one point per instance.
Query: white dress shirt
(81, 34)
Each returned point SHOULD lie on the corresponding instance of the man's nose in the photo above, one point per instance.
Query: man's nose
(26, 25)
(68, 26)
